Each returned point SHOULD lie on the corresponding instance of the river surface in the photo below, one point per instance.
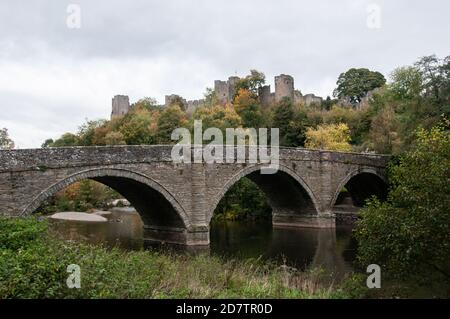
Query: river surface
(332, 250)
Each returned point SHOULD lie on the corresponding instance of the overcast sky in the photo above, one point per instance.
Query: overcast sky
(53, 76)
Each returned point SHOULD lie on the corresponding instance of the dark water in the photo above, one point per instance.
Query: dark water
(330, 249)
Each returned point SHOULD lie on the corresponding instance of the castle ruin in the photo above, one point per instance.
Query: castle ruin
(284, 87)
(225, 92)
(120, 106)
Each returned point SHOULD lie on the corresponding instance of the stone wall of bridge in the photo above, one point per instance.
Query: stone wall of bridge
(177, 201)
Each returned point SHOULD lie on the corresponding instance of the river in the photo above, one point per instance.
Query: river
(332, 250)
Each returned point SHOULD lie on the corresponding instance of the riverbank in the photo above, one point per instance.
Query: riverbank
(33, 264)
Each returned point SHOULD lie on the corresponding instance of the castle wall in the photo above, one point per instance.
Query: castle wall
(232, 82)
(193, 105)
(225, 92)
(266, 98)
(309, 99)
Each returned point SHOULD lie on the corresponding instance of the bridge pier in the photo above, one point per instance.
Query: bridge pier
(303, 221)
(193, 236)
(198, 236)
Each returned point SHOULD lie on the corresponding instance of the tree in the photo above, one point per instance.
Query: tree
(244, 200)
(148, 103)
(171, 118)
(67, 139)
(6, 143)
(178, 101)
(252, 83)
(384, 137)
(114, 138)
(356, 83)
(136, 127)
(407, 83)
(210, 97)
(331, 137)
(436, 75)
(86, 132)
(218, 116)
(409, 234)
(291, 123)
(48, 143)
(247, 106)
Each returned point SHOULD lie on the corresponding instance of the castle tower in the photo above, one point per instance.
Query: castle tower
(284, 87)
(222, 91)
(265, 97)
(232, 82)
(120, 106)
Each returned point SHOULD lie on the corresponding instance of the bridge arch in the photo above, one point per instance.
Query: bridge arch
(153, 202)
(286, 191)
(362, 184)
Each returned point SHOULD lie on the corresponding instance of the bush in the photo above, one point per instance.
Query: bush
(409, 234)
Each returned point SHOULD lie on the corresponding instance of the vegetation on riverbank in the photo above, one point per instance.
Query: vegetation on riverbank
(33, 264)
(409, 234)
(82, 196)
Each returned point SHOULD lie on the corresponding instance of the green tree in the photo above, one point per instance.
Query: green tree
(356, 83)
(409, 234)
(210, 97)
(6, 143)
(358, 121)
(48, 143)
(86, 132)
(291, 123)
(436, 75)
(244, 200)
(407, 83)
(136, 128)
(67, 139)
(148, 103)
(171, 118)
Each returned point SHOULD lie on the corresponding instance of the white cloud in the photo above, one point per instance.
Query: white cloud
(52, 77)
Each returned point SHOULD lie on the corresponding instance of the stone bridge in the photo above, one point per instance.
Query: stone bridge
(177, 200)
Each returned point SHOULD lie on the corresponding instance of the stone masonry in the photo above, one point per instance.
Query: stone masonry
(225, 92)
(177, 201)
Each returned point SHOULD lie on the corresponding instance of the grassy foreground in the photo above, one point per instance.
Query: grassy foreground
(33, 264)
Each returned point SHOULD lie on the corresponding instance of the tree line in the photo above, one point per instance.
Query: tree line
(416, 96)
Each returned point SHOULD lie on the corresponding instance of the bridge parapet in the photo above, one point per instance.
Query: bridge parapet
(32, 159)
